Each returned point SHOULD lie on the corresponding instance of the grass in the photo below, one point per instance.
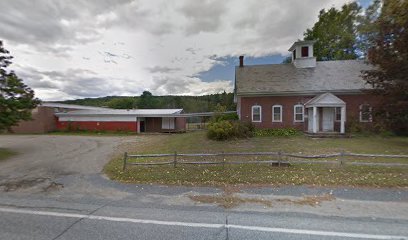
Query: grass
(230, 200)
(197, 142)
(264, 174)
(5, 153)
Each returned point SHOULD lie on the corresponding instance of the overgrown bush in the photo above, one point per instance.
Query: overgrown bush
(228, 117)
(368, 128)
(221, 130)
(224, 130)
(283, 132)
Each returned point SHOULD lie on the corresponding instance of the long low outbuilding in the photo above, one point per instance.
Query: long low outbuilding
(49, 117)
(133, 120)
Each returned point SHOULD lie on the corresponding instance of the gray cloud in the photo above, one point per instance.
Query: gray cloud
(171, 85)
(105, 47)
(52, 25)
(203, 16)
(74, 82)
(188, 86)
(161, 69)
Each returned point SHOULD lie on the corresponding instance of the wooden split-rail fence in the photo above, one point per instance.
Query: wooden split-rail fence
(280, 159)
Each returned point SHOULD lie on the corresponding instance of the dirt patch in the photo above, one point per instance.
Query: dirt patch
(231, 201)
(44, 184)
(308, 200)
(228, 201)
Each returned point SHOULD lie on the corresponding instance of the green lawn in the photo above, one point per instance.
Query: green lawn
(197, 142)
(297, 174)
(5, 153)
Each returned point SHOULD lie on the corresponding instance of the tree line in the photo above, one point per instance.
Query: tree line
(190, 104)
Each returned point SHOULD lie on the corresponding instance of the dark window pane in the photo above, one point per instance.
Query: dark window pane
(305, 51)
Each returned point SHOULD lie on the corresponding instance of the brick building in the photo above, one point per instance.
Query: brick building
(49, 117)
(132, 120)
(316, 97)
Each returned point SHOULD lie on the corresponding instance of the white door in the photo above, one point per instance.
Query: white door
(167, 123)
(328, 120)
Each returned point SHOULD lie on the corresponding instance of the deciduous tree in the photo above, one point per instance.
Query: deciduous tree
(335, 33)
(389, 54)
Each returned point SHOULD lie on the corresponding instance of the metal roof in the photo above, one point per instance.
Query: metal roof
(205, 114)
(131, 112)
(69, 106)
(285, 79)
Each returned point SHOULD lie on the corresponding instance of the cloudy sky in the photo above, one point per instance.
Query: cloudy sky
(91, 48)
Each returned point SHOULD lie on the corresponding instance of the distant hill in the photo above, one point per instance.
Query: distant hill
(190, 104)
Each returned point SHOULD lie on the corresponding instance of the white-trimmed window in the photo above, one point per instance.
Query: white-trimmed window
(256, 113)
(277, 113)
(298, 113)
(365, 113)
(337, 114)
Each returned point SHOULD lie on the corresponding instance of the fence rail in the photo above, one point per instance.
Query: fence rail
(175, 159)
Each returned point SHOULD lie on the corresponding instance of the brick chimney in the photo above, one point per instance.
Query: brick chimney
(241, 61)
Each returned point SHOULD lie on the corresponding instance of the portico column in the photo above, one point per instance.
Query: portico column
(137, 125)
(314, 120)
(343, 120)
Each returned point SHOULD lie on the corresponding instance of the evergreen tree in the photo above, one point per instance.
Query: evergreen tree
(16, 99)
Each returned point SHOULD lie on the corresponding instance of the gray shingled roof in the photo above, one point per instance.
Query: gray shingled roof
(282, 79)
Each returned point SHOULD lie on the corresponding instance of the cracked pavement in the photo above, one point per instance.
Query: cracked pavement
(54, 189)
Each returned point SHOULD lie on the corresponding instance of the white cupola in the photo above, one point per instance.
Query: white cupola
(302, 54)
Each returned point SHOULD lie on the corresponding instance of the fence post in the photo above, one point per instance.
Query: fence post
(279, 158)
(125, 157)
(342, 160)
(175, 160)
(223, 159)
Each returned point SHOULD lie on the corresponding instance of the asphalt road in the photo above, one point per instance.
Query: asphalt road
(80, 203)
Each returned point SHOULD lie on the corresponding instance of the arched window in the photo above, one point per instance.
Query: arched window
(365, 113)
(277, 113)
(256, 113)
(298, 113)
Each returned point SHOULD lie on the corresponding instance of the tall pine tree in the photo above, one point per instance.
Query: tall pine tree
(16, 99)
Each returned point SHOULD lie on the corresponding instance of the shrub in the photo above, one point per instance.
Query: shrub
(228, 117)
(243, 130)
(283, 132)
(224, 130)
(221, 130)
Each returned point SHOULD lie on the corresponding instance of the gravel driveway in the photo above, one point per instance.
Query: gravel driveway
(43, 158)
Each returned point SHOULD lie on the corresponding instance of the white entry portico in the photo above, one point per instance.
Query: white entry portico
(321, 113)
